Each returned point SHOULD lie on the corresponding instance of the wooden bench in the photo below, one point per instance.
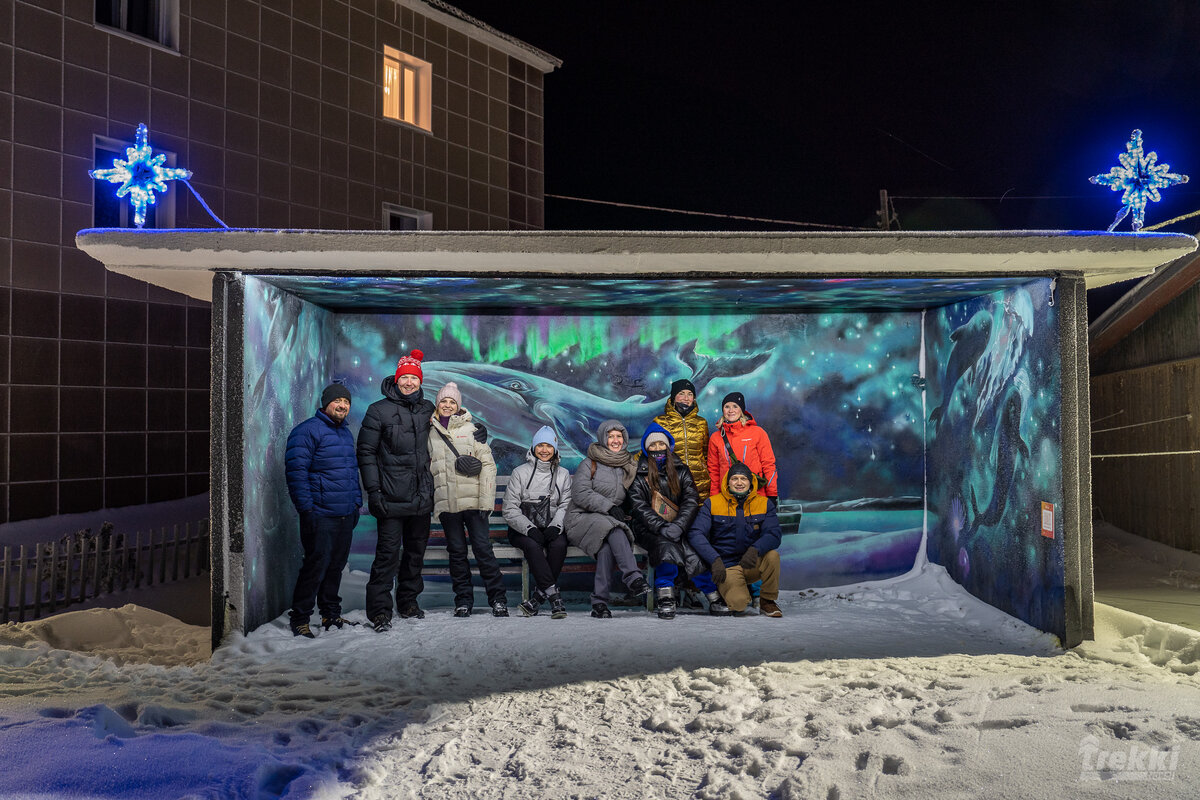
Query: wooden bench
(512, 559)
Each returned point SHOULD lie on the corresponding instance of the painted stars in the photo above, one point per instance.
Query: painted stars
(141, 174)
(1139, 178)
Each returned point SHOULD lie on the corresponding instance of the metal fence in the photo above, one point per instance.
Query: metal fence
(44, 578)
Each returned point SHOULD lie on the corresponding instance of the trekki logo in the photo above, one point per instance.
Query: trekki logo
(1135, 763)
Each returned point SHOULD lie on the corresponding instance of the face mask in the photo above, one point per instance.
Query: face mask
(683, 408)
(660, 458)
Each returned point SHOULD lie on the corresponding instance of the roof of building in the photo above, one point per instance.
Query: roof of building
(525, 51)
(1142, 302)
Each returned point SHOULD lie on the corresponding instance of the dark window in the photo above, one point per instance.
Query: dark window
(156, 20)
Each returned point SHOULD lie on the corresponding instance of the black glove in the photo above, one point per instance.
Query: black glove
(552, 532)
(480, 432)
(375, 505)
(749, 558)
(718, 571)
(671, 531)
(616, 513)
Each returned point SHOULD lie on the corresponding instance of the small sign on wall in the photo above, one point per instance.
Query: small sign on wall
(1048, 520)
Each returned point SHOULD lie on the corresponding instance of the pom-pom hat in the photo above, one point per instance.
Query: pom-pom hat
(410, 365)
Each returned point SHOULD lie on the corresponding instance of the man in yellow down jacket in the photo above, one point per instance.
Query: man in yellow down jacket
(682, 420)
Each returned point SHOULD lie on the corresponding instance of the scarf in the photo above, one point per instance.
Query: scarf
(623, 460)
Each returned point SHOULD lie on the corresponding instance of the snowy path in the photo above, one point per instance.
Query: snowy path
(909, 688)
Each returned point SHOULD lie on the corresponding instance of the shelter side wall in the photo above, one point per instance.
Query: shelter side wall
(226, 543)
(995, 450)
(1146, 438)
(286, 364)
(833, 391)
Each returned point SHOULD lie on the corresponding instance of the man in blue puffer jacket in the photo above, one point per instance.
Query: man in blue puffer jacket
(322, 479)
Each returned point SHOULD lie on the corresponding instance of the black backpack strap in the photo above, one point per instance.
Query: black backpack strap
(450, 444)
(733, 459)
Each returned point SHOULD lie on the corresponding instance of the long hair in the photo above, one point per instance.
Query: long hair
(672, 474)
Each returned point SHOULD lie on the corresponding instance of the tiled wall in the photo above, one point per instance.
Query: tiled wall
(274, 106)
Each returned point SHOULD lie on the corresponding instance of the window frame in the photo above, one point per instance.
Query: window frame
(413, 107)
(164, 12)
(423, 219)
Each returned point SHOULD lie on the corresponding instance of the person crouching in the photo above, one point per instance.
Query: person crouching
(737, 533)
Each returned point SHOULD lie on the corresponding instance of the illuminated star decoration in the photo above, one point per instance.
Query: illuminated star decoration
(141, 174)
(1140, 179)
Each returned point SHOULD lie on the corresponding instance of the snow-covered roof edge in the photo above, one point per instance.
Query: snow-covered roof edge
(463, 22)
(181, 259)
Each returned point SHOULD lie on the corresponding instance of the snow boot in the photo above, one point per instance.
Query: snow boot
(716, 606)
(462, 612)
(665, 602)
(638, 587)
(558, 609)
(600, 611)
(500, 609)
(382, 623)
(336, 622)
(529, 608)
(768, 608)
(412, 611)
(302, 629)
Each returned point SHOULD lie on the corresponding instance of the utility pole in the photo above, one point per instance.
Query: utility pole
(884, 213)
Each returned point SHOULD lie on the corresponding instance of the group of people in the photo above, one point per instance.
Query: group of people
(702, 506)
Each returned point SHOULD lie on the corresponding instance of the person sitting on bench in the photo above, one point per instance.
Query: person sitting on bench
(535, 507)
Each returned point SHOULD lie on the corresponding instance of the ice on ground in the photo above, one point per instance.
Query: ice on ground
(903, 688)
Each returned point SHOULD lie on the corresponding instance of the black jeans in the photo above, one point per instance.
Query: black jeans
(545, 558)
(392, 567)
(476, 524)
(326, 542)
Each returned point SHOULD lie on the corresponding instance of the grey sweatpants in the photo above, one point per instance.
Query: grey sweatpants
(616, 552)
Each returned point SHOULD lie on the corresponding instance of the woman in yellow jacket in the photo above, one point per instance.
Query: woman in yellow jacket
(682, 420)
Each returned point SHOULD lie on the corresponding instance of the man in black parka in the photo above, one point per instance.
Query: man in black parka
(393, 457)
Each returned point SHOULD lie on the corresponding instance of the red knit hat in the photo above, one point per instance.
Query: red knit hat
(410, 365)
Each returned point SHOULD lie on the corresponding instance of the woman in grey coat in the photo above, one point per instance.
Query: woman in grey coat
(596, 520)
(535, 507)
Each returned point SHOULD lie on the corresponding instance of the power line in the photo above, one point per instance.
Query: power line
(708, 213)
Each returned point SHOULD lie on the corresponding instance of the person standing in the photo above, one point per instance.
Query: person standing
(739, 439)
(597, 522)
(393, 457)
(663, 503)
(737, 534)
(322, 481)
(681, 418)
(464, 494)
(535, 508)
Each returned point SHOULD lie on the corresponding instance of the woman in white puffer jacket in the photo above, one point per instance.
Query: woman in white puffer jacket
(463, 503)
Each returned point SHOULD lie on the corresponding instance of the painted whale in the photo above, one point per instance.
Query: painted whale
(970, 342)
(1009, 445)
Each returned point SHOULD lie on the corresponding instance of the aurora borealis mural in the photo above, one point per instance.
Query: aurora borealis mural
(995, 450)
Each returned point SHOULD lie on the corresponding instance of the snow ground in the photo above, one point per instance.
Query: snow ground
(903, 688)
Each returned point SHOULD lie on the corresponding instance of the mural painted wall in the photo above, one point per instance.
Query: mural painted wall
(833, 390)
(995, 449)
(286, 365)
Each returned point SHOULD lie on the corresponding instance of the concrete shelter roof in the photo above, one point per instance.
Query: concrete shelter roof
(182, 260)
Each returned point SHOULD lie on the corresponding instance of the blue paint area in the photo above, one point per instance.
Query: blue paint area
(995, 450)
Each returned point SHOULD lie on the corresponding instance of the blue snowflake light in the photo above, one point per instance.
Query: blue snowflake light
(141, 174)
(1139, 178)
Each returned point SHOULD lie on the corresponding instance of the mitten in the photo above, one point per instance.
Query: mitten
(749, 558)
(375, 505)
(480, 432)
(718, 572)
(552, 532)
(616, 513)
(671, 531)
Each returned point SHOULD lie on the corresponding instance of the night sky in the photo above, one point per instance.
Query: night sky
(803, 112)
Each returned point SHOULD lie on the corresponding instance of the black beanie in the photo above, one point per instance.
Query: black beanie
(681, 384)
(332, 392)
(735, 397)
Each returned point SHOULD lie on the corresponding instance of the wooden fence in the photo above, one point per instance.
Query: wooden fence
(44, 578)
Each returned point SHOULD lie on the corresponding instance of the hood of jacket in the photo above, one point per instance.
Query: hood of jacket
(457, 420)
(728, 495)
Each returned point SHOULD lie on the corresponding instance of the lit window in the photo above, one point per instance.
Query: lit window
(110, 211)
(399, 218)
(157, 20)
(407, 84)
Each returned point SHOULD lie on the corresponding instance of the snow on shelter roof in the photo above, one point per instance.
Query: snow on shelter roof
(182, 259)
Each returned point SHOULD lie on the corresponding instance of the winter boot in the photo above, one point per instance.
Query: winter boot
(558, 609)
(600, 611)
(529, 608)
(768, 608)
(665, 601)
(500, 609)
(336, 622)
(412, 611)
(462, 612)
(716, 606)
(638, 587)
(301, 629)
(382, 623)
